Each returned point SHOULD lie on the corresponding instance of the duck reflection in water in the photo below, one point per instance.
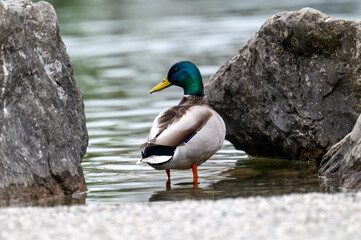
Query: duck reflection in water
(182, 192)
(186, 135)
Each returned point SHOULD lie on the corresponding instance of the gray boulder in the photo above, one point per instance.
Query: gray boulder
(294, 89)
(43, 134)
(343, 161)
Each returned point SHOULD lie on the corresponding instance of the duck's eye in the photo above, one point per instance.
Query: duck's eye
(172, 71)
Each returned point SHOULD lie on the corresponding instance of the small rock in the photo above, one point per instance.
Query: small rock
(343, 160)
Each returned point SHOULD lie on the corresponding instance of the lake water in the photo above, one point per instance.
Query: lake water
(122, 48)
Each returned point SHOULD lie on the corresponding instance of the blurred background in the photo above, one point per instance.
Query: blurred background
(120, 49)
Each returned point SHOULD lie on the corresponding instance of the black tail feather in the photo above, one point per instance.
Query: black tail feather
(158, 150)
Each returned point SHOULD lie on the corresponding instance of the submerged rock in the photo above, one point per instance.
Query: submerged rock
(343, 160)
(43, 134)
(294, 89)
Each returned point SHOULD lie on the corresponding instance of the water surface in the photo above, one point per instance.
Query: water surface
(122, 48)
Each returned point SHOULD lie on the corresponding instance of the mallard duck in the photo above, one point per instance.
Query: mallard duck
(186, 135)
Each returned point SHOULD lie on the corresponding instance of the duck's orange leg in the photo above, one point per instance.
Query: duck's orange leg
(195, 175)
(168, 181)
(168, 174)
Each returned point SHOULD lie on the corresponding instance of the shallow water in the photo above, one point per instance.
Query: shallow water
(121, 49)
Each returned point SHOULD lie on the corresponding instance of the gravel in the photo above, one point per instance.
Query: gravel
(297, 216)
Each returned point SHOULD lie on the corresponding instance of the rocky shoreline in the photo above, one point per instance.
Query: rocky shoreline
(293, 91)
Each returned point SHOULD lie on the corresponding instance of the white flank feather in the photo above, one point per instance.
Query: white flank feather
(155, 159)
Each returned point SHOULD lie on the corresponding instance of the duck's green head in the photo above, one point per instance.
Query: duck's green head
(183, 74)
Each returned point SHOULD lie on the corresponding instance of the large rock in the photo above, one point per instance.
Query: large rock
(294, 89)
(43, 135)
(343, 161)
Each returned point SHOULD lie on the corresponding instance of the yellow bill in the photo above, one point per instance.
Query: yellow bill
(161, 86)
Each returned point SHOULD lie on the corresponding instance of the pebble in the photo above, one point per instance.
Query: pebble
(297, 216)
